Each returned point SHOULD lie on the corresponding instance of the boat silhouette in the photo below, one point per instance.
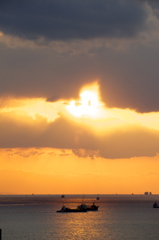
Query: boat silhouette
(155, 205)
(66, 209)
(81, 208)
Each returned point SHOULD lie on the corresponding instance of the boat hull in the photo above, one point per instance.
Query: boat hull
(71, 210)
(92, 208)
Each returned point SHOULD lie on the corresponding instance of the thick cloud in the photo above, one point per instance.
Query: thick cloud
(69, 19)
(155, 6)
(134, 141)
(128, 78)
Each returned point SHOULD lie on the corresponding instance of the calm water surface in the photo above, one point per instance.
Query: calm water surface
(120, 217)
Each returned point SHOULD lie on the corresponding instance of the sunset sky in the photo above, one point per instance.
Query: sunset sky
(79, 96)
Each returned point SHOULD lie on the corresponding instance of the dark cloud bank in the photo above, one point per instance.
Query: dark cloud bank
(128, 79)
(70, 19)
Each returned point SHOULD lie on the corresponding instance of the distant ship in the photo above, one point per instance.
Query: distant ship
(147, 193)
(155, 205)
(80, 208)
(66, 209)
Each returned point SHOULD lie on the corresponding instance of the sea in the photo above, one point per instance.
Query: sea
(120, 217)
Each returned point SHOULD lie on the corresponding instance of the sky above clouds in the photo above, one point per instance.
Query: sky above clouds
(51, 52)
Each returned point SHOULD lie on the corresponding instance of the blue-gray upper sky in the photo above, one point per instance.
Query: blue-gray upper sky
(70, 19)
(51, 48)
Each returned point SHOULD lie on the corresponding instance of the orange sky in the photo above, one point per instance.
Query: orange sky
(52, 171)
(79, 102)
(77, 146)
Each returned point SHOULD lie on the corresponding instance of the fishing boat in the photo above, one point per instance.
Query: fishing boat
(66, 209)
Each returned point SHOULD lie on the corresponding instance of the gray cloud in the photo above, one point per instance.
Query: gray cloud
(69, 19)
(128, 78)
(155, 6)
(63, 134)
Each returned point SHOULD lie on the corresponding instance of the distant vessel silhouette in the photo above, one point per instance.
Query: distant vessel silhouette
(98, 198)
(81, 208)
(66, 209)
(147, 193)
(155, 205)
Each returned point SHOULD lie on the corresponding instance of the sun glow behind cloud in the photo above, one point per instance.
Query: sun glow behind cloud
(93, 112)
(89, 105)
(88, 110)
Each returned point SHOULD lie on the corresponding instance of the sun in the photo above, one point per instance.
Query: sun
(89, 105)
